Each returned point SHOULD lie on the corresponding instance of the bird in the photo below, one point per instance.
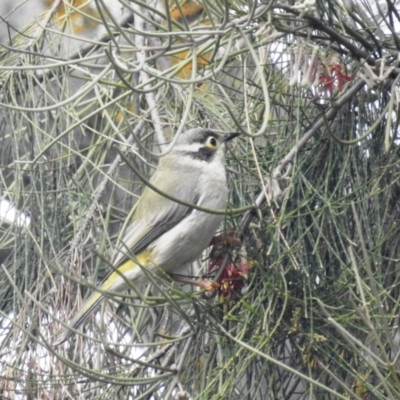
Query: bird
(164, 235)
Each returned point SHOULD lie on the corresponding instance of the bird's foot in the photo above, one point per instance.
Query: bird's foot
(208, 285)
(227, 238)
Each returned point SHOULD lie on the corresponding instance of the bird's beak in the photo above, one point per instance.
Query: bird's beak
(231, 135)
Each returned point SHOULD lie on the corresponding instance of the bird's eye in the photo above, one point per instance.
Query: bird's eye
(211, 142)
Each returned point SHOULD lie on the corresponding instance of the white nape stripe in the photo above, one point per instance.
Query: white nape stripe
(188, 148)
(11, 215)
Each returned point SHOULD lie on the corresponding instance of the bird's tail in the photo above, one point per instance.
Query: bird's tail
(88, 306)
(116, 281)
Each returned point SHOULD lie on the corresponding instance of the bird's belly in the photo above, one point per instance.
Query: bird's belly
(186, 241)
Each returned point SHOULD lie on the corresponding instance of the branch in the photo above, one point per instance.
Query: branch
(332, 33)
(272, 182)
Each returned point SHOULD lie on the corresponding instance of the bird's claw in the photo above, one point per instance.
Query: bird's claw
(227, 238)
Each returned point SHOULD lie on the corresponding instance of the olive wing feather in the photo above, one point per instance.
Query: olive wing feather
(155, 214)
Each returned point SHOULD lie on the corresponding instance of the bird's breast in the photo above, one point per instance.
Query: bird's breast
(186, 240)
(213, 186)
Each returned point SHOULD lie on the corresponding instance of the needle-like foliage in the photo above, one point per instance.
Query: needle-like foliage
(308, 304)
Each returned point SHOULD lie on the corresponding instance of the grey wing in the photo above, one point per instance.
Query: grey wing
(155, 215)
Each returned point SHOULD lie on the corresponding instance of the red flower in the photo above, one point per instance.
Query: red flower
(232, 279)
(331, 73)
